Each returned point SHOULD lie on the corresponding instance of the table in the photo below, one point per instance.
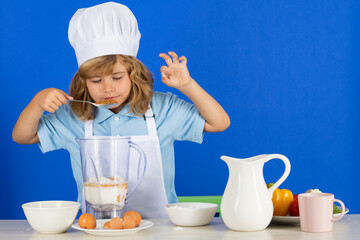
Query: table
(347, 228)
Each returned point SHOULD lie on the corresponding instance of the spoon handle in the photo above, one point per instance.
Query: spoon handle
(82, 101)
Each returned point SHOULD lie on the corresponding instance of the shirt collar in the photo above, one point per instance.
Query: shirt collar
(103, 113)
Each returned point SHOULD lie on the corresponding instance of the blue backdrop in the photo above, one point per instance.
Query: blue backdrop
(287, 73)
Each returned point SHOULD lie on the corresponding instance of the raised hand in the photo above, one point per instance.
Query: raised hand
(176, 73)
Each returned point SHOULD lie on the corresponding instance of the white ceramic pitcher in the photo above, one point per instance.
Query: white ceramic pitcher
(246, 204)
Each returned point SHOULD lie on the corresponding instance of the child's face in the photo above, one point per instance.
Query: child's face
(115, 86)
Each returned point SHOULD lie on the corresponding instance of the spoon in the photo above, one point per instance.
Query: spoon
(104, 105)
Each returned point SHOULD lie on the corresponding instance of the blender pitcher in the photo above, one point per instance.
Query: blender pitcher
(105, 163)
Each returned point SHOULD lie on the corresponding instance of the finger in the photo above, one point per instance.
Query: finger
(163, 75)
(165, 79)
(66, 95)
(163, 70)
(51, 108)
(183, 59)
(56, 101)
(166, 58)
(62, 98)
(54, 106)
(174, 56)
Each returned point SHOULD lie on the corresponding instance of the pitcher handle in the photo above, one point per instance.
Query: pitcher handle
(334, 219)
(285, 174)
(143, 158)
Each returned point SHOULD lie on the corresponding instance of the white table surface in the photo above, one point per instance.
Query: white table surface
(345, 229)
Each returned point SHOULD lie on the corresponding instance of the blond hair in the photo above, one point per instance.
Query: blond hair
(141, 84)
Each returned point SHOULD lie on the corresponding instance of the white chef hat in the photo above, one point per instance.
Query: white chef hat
(104, 29)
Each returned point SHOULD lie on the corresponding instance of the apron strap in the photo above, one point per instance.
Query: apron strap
(89, 128)
(150, 122)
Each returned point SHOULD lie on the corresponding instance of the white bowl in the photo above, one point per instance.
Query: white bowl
(51, 217)
(191, 213)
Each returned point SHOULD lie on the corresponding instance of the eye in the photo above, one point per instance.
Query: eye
(117, 78)
(95, 80)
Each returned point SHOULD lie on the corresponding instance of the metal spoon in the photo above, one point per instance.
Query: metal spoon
(108, 105)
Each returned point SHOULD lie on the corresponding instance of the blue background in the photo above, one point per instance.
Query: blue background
(287, 73)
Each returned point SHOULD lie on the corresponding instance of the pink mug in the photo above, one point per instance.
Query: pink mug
(316, 211)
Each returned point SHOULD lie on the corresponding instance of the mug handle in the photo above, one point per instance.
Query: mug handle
(334, 219)
(285, 174)
(143, 158)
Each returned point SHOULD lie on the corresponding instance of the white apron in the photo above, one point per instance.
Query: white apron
(149, 198)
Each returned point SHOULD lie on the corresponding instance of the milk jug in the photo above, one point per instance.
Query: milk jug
(246, 204)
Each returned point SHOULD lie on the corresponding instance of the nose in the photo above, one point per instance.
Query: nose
(108, 86)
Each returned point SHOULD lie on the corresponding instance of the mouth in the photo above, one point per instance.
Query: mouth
(111, 98)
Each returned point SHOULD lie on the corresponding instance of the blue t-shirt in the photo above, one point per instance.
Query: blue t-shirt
(175, 119)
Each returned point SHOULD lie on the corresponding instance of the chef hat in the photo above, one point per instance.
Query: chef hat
(104, 29)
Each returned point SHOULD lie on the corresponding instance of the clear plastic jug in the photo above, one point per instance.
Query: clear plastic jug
(107, 181)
